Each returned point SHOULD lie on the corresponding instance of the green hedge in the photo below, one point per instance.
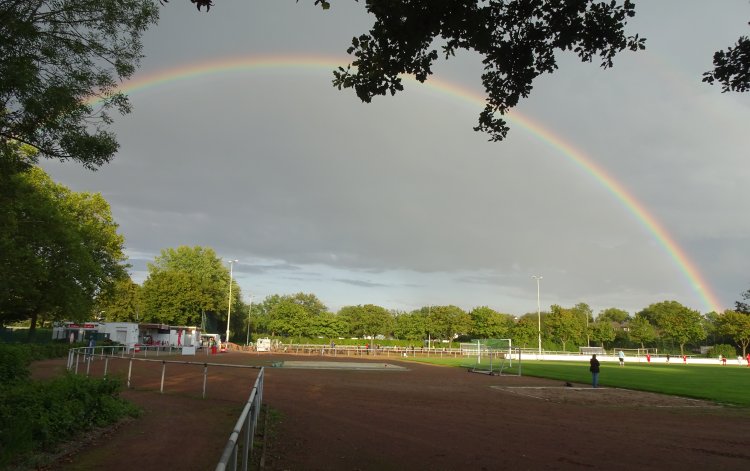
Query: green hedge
(37, 415)
(722, 349)
(16, 357)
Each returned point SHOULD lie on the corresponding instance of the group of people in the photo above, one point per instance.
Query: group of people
(594, 364)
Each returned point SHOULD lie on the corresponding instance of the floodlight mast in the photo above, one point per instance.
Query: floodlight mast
(249, 310)
(538, 312)
(229, 307)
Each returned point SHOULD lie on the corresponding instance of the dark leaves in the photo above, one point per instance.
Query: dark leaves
(518, 39)
(732, 68)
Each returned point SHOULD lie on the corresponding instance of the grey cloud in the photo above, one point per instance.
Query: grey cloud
(278, 167)
(361, 283)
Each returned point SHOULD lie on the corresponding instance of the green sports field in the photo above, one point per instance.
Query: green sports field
(723, 384)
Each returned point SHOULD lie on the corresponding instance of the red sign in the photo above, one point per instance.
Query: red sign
(84, 326)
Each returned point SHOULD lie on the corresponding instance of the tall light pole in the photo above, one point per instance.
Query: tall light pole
(229, 308)
(249, 310)
(538, 312)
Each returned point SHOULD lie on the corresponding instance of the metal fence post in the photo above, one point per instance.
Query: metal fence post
(163, 370)
(205, 378)
(106, 365)
(130, 370)
(248, 439)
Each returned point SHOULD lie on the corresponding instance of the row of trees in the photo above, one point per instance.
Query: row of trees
(188, 285)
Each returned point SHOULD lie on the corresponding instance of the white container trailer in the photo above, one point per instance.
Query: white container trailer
(182, 336)
(124, 333)
(263, 345)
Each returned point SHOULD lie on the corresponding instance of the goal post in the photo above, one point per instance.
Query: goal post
(491, 356)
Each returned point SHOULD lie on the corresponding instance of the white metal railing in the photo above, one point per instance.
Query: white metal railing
(247, 422)
(105, 354)
(361, 350)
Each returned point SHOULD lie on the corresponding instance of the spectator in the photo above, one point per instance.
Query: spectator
(594, 369)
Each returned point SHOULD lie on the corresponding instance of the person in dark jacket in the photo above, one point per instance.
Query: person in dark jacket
(594, 369)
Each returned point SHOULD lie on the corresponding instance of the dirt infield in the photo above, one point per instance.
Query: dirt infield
(421, 417)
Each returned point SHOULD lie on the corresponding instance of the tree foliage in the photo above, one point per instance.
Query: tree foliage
(487, 323)
(59, 249)
(744, 305)
(525, 332)
(185, 283)
(410, 326)
(290, 319)
(297, 315)
(677, 322)
(640, 330)
(122, 303)
(60, 64)
(565, 325)
(517, 40)
(602, 331)
(732, 67)
(614, 314)
(447, 322)
(367, 321)
(737, 326)
(327, 325)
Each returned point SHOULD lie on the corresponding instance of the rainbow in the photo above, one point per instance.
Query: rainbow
(573, 154)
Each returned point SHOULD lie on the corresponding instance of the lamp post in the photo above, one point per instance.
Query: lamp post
(229, 308)
(249, 310)
(538, 312)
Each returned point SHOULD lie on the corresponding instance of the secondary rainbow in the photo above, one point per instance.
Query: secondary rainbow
(573, 154)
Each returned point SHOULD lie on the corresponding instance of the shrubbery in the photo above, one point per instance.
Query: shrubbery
(15, 358)
(722, 349)
(37, 415)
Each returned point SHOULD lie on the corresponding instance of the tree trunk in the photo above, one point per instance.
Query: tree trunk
(32, 327)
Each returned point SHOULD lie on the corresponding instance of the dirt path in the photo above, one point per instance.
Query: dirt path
(423, 417)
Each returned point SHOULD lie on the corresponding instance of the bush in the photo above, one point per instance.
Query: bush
(38, 415)
(722, 349)
(35, 415)
(14, 363)
(15, 358)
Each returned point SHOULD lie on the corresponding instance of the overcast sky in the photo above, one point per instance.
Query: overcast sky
(399, 202)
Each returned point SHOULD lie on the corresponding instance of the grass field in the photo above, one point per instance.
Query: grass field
(722, 384)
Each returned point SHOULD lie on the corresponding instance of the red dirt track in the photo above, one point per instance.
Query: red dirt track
(426, 417)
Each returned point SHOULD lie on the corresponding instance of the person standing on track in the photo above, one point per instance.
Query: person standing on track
(594, 369)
